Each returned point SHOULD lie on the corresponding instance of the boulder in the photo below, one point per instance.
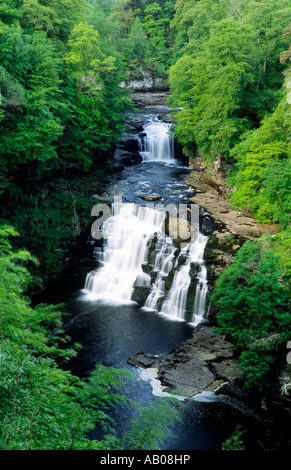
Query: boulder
(204, 362)
(140, 294)
(127, 158)
(149, 197)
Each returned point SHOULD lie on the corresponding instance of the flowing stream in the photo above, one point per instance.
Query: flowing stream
(128, 261)
(149, 289)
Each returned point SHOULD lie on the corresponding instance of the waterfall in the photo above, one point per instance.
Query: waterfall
(139, 261)
(175, 304)
(126, 234)
(200, 296)
(163, 263)
(157, 143)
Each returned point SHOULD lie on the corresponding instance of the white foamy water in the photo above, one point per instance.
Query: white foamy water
(126, 233)
(175, 303)
(158, 143)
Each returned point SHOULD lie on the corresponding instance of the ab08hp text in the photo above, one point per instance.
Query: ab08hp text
(167, 459)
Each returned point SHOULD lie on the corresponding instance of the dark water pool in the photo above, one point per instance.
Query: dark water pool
(110, 334)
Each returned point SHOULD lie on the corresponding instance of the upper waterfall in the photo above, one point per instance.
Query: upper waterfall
(157, 143)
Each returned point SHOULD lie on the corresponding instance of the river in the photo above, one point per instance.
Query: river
(111, 327)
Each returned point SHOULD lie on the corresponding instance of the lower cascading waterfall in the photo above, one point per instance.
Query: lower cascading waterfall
(200, 296)
(163, 263)
(175, 304)
(127, 235)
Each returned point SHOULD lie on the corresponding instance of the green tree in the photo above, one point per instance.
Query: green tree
(29, 132)
(100, 103)
(135, 49)
(253, 312)
(86, 59)
(261, 175)
(230, 75)
(210, 91)
(56, 18)
(124, 13)
(103, 5)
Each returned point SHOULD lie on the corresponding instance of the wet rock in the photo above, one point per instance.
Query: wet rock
(128, 143)
(140, 294)
(131, 159)
(127, 158)
(204, 362)
(150, 99)
(143, 360)
(149, 197)
(191, 376)
(227, 370)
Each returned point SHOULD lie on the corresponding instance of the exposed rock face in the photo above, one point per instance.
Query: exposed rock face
(209, 196)
(150, 197)
(151, 100)
(127, 150)
(210, 193)
(204, 362)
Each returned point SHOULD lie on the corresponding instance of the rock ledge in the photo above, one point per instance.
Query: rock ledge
(205, 362)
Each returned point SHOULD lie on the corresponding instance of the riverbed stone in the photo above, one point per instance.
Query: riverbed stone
(150, 197)
(190, 377)
(204, 362)
(140, 294)
(149, 99)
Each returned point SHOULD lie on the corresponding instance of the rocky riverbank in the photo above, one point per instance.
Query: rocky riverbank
(205, 362)
(211, 194)
(205, 368)
(233, 227)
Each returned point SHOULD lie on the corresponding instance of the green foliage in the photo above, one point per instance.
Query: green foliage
(124, 12)
(56, 90)
(262, 176)
(214, 91)
(235, 441)
(147, 38)
(56, 18)
(193, 22)
(50, 217)
(135, 49)
(61, 107)
(282, 249)
(252, 298)
(229, 74)
(153, 426)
